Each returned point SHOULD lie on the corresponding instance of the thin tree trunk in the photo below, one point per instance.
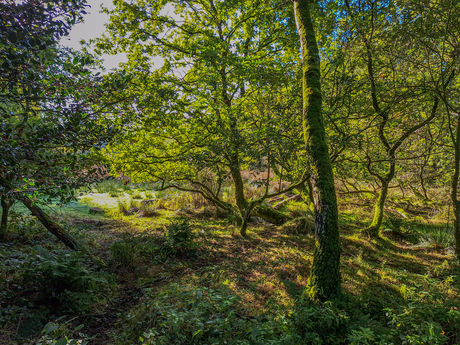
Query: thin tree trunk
(422, 180)
(241, 201)
(374, 227)
(306, 191)
(454, 190)
(4, 222)
(50, 225)
(325, 278)
(385, 180)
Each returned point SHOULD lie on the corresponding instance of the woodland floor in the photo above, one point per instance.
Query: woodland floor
(413, 255)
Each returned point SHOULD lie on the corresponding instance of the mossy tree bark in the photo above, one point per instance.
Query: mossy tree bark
(6, 205)
(325, 279)
(391, 150)
(455, 137)
(454, 193)
(47, 222)
(50, 225)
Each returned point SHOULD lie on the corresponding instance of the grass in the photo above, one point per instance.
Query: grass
(387, 282)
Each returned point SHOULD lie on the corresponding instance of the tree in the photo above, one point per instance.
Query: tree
(224, 101)
(389, 98)
(439, 31)
(325, 276)
(48, 119)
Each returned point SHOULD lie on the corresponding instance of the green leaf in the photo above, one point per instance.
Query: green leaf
(62, 341)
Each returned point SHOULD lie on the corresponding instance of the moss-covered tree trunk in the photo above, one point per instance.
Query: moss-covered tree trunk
(391, 150)
(4, 221)
(306, 191)
(270, 215)
(379, 206)
(454, 189)
(238, 183)
(50, 225)
(325, 279)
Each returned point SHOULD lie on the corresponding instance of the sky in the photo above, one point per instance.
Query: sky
(93, 27)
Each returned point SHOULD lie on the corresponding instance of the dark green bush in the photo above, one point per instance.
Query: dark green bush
(175, 242)
(123, 253)
(65, 280)
(183, 315)
(179, 240)
(317, 323)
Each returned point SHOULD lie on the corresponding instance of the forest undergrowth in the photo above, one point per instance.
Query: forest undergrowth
(174, 270)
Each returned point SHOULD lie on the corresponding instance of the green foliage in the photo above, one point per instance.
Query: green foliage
(242, 111)
(421, 324)
(175, 242)
(184, 315)
(61, 333)
(128, 207)
(148, 209)
(419, 318)
(65, 280)
(317, 323)
(123, 253)
(441, 238)
(179, 240)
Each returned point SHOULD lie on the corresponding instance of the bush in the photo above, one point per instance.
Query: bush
(57, 332)
(64, 280)
(317, 323)
(424, 323)
(147, 210)
(179, 240)
(183, 315)
(128, 207)
(441, 238)
(123, 253)
(129, 251)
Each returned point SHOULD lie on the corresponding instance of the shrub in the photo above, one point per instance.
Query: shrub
(441, 238)
(179, 240)
(60, 333)
(317, 323)
(64, 280)
(123, 253)
(418, 324)
(128, 207)
(183, 315)
(147, 210)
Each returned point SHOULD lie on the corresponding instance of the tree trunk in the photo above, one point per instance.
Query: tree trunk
(456, 207)
(422, 179)
(241, 201)
(306, 191)
(454, 190)
(374, 227)
(4, 222)
(325, 278)
(270, 215)
(50, 225)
